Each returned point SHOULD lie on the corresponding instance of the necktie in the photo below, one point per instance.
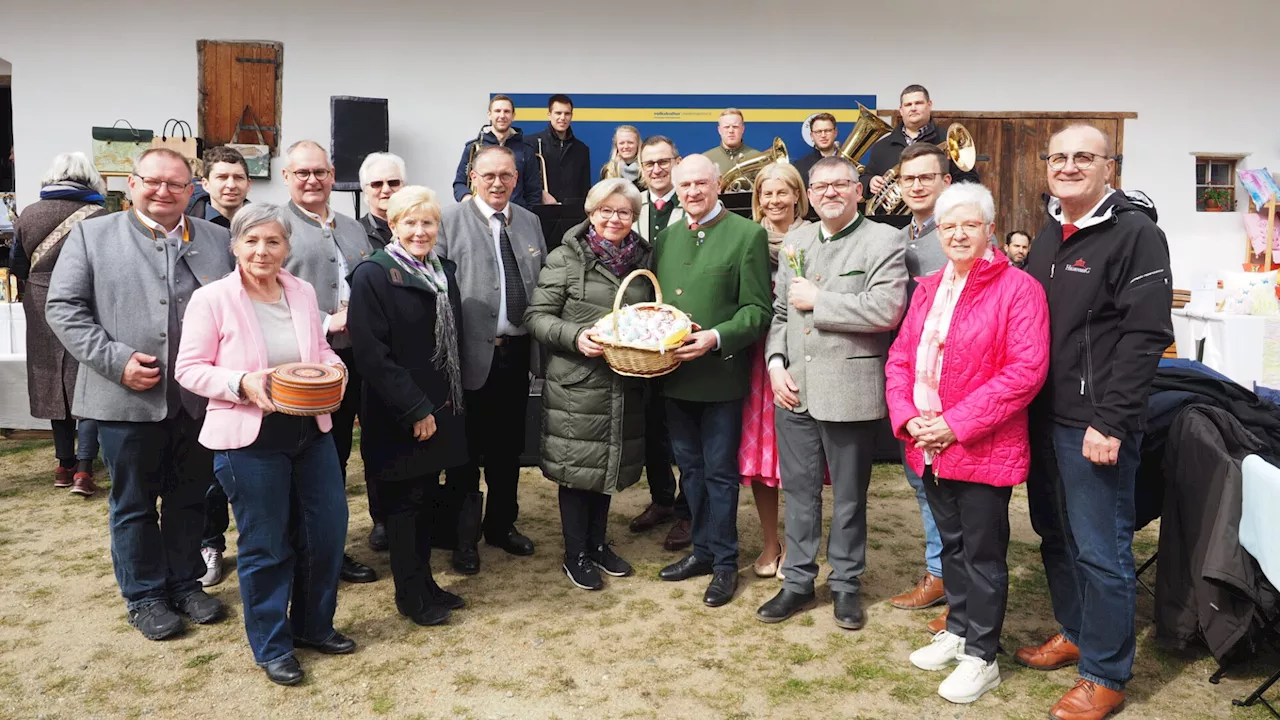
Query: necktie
(659, 203)
(693, 226)
(517, 300)
(1068, 230)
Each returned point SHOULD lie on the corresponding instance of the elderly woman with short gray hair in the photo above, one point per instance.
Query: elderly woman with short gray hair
(280, 471)
(71, 191)
(593, 418)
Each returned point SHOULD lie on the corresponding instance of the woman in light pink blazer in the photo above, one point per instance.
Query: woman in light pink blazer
(280, 472)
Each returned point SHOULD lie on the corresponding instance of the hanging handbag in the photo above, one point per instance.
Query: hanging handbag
(256, 155)
(114, 148)
(187, 144)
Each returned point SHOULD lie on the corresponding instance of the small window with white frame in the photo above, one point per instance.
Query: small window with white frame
(1216, 183)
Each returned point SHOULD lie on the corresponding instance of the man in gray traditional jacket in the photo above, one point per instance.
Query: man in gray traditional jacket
(499, 250)
(326, 246)
(116, 301)
(826, 346)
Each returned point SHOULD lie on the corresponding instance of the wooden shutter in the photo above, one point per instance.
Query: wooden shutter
(234, 75)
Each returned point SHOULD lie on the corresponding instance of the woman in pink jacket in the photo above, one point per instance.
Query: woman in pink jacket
(970, 356)
(280, 471)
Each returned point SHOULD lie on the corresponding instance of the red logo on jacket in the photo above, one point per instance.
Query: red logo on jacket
(1079, 266)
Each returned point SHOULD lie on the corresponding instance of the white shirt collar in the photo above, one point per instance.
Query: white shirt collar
(709, 216)
(489, 212)
(177, 231)
(665, 198)
(856, 215)
(326, 220)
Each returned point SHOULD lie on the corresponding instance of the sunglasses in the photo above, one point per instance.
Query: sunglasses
(393, 184)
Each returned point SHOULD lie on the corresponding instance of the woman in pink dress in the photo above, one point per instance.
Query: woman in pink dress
(779, 204)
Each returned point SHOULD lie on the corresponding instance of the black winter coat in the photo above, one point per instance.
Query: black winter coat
(568, 163)
(392, 320)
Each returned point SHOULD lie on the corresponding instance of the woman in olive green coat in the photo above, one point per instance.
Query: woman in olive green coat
(593, 418)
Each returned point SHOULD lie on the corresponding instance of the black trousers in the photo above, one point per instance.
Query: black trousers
(495, 436)
(407, 504)
(973, 520)
(658, 460)
(344, 420)
(584, 515)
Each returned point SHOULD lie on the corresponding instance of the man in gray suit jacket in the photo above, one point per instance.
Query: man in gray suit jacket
(826, 348)
(499, 250)
(325, 248)
(923, 176)
(116, 301)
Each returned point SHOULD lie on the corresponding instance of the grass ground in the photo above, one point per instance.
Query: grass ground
(530, 645)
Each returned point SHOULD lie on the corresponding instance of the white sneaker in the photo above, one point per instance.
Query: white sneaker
(940, 654)
(213, 567)
(970, 680)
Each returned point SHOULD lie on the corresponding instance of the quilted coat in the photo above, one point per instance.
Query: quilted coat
(592, 417)
(995, 361)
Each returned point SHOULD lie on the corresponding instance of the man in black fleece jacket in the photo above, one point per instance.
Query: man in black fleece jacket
(1104, 265)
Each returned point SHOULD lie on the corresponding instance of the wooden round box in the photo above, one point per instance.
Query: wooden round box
(306, 388)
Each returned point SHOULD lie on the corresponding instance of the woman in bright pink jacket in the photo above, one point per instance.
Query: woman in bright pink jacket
(970, 356)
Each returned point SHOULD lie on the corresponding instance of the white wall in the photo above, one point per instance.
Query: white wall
(1177, 63)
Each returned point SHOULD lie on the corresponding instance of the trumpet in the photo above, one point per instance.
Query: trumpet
(471, 159)
(542, 163)
(740, 176)
(958, 146)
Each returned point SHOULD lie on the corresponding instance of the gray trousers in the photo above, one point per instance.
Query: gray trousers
(806, 448)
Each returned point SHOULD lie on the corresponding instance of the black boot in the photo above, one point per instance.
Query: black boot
(466, 558)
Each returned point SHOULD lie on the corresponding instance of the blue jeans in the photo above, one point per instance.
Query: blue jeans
(216, 518)
(1085, 518)
(932, 539)
(704, 440)
(287, 492)
(156, 554)
(76, 439)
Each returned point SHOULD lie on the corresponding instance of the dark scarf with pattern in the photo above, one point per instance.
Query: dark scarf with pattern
(621, 258)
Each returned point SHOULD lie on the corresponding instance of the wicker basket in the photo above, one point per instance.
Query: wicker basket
(635, 360)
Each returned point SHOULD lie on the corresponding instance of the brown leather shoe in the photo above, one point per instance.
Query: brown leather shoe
(63, 477)
(939, 623)
(1056, 652)
(1087, 701)
(680, 537)
(927, 593)
(83, 485)
(652, 517)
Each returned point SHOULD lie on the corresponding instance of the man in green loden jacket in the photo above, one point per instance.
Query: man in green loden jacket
(714, 266)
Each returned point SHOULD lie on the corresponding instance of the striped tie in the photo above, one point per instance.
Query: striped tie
(517, 299)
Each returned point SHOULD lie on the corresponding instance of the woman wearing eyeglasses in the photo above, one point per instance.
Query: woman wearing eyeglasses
(624, 161)
(970, 356)
(593, 418)
(779, 204)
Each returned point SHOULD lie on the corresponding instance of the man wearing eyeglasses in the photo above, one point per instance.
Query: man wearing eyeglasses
(1104, 265)
(325, 247)
(500, 131)
(381, 175)
(714, 266)
(831, 329)
(923, 177)
(823, 130)
(916, 112)
(116, 301)
(499, 250)
(659, 208)
(732, 149)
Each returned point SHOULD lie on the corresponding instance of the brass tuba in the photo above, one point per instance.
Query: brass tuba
(471, 159)
(866, 132)
(958, 146)
(740, 176)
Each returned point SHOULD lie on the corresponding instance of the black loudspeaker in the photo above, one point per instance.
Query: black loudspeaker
(358, 126)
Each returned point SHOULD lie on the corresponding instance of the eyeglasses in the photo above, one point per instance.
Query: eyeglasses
(663, 163)
(1082, 160)
(970, 229)
(925, 179)
(610, 213)
(377, 184)
(305, 175)
(154, 184)
(839, 186)
(822, 131)
(489, 178)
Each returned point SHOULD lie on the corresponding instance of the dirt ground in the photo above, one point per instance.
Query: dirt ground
(530, 645)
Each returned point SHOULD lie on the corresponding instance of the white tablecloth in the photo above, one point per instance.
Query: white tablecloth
(14, 403)
(1242, 347)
